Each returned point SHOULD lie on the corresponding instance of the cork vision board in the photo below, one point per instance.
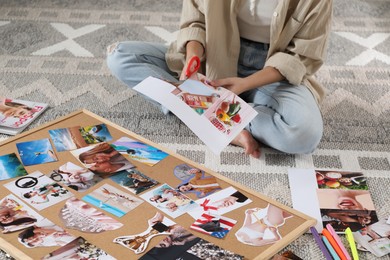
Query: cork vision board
(251, 225)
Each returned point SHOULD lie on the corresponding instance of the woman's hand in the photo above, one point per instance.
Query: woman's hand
(235, 85)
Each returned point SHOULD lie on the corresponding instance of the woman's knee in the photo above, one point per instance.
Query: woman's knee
(302, 139)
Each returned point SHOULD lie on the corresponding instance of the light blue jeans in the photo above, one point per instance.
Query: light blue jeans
(288, 120)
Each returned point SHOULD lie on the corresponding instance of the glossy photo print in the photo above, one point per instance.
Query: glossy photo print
(16, 215)
(66, 139)
(96, 134)
(38, 190)
(220, 202)
(169, 200)
(139, 151)
(75, 177)
(11, 167)
(112, 200)
(134, 181)
(195, 181)
(102, 159)
(36, 152)
(44, 234)
(213, 225)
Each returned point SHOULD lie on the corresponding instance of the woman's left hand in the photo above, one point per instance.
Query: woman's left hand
(235, 84)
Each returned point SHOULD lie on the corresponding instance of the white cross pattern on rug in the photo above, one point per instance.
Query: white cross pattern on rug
(69, 44)
(4, 23)
(167, 36)
(370, 43)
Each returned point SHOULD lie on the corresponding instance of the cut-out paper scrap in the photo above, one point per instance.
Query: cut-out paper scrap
(195, 181)
(78, 215)
(38, 190)
(261, 225)
(102, 159)
(220, 202)
(11, 167)
(181, 244)
(213, 225)
(157, 225)
(67, 139)
(134, 181)
(36, 152)
(112, 200)
(44, 234)
(139, 151)
(169, 200)
(16, 215)
(79, 249)
(95, 134)
(75, 177)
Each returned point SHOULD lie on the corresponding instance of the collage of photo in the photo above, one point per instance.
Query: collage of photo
(100, 157)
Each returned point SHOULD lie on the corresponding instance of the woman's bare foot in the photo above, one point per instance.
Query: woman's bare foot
(246, 141)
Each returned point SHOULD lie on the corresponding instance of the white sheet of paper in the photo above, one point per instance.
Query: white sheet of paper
(216, 140)
(303, 185)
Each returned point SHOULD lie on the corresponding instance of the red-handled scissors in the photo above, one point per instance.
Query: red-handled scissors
(193, 66)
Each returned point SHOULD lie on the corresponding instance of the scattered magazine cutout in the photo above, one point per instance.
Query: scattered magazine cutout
(16, 215)
(134, 181)
(112, 200)
(38, 190)
(36, 152)
(139, 151)
(78, 215)
(78, 249)
(158, 225)
(11, 167)
(261, 226)
(67, 139)
(44, 234)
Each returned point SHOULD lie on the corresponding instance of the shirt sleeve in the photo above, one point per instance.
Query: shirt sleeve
(306, 51)
(192, 25)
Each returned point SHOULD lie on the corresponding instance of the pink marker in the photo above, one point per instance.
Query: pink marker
(338, 240)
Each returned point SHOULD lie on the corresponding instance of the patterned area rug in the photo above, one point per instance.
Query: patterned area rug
(54, 51)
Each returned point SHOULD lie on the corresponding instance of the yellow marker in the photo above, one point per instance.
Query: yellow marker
(352, 244)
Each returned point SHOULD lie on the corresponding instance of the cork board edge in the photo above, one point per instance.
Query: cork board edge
(266, 254)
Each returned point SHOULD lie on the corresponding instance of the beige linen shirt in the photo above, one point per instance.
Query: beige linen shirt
(299, 34)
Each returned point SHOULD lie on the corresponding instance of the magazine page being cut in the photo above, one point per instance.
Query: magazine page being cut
(215, 115)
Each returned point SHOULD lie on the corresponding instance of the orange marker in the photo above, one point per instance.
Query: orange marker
(334, 244)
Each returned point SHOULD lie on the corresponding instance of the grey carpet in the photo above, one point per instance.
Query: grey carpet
(37, 63)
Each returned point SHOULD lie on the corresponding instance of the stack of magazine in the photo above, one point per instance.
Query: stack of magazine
(16, 115)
